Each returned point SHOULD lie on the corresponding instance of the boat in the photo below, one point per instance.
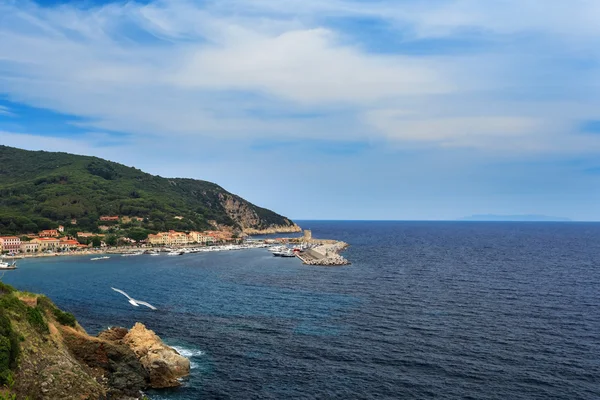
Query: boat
(284, 253)
(277, 249)
(174, 253)
(99, 258)
(8, 266)
(139, 253)
(154, 253)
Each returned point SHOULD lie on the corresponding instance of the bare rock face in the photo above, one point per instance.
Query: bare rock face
(111, 361)
(163, 363)
(250, 221)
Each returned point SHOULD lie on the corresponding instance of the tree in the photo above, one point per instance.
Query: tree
(111, 240)
(138, 234)
(96, 242)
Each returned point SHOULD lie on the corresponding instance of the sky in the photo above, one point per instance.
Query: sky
(338, 109)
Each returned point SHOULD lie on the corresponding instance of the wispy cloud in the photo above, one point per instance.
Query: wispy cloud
(199, 69)
(6, 111)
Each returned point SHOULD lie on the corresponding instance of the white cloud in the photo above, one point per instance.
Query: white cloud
(187, 69)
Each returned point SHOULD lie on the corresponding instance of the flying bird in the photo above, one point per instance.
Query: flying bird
(134, 302)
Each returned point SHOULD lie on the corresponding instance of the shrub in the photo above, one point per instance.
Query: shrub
(65, 318)
(9, 349)
(62, 317)
(4, 288)
(36, 319)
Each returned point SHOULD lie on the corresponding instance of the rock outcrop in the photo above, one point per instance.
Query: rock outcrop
(54, 358)
(164, 364)
(110, 362)
(254, 220)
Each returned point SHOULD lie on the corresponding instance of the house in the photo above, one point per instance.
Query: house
(199, 237)
(61, 228)
(68, 244)
(46, 243)
(29, 247)
(74, 221)
(160, 238)
(49, 233)
(104, 228)
(109, 218)
(85, 234)
(10, 243)
(169, 238)
(178, 238)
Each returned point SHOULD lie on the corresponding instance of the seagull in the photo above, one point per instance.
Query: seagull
(134, 302)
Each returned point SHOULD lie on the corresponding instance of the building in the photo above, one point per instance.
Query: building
(109, 218)
(10, 244)
(178, 238)
(85, 234)
(46, 243)
(307, 235)
(199, 237)
(104, 228)
(219, 236)
(74, 221)
(68, 244)
(49, 233)
(161, 238)
(171, 238)
(61, 228)
(29, 247)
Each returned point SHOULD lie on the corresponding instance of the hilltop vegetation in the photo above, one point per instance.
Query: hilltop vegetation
(41, 190)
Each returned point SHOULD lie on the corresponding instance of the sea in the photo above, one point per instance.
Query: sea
(427, 310)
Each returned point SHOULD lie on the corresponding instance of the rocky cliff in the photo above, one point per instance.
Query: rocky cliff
(45, 354)
(254, 220)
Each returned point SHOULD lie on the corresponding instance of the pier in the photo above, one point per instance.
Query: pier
(326, 254)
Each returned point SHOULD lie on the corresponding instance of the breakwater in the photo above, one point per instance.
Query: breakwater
(324, 254)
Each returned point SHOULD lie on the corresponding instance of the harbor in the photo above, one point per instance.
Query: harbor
(312, 251)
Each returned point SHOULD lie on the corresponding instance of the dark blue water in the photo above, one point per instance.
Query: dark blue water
(426, 310)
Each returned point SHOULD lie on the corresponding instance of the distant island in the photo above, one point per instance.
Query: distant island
(515, 218)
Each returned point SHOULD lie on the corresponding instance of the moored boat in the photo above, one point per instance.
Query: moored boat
(8, 266)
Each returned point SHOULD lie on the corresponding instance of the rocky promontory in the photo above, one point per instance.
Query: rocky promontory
(46, 354)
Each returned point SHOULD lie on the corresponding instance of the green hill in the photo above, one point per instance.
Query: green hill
(40, 190)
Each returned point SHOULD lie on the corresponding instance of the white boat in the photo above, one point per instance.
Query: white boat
(277, 249)
(155, 253)
(174, 253)
(284, 253)
(99, 258)
(7, 266)
(137, 253)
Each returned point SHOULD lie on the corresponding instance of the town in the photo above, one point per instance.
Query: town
(57, 240)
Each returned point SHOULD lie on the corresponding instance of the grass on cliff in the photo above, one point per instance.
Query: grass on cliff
(13, 309)
(62, 317)
(9, 339)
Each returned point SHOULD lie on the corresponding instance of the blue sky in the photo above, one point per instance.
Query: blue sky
(343, 109)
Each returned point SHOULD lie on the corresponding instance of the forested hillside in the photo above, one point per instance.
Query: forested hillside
(40, 190)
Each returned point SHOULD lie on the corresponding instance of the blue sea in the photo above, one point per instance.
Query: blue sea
(427, 310)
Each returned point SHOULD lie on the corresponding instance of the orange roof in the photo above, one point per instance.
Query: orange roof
(8, 237)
